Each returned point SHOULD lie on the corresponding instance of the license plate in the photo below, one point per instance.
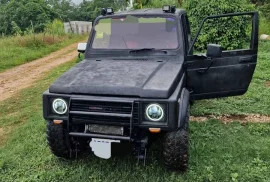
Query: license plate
(103, 129)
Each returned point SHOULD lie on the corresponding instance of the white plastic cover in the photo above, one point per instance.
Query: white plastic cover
(264, 37)
(81, 47)
(102, 147)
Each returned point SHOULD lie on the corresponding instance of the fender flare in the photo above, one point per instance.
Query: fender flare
(183, 104)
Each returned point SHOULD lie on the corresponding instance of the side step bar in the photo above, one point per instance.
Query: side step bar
(92, 135)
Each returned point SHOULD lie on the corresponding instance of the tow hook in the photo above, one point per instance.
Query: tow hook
(140, 149)
(74, 150)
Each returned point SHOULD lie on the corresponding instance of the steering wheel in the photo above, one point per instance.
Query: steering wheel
(158, 42)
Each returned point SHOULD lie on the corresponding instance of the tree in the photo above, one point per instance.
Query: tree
(25, 12)
(63, 8)
(3, 1)
(4, 24)
(89, 10)
(138, 4)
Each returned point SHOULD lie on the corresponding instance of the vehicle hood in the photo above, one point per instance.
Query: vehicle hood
(138, 78)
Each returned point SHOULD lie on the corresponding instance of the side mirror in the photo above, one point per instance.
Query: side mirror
(214, 51)
(81, 47)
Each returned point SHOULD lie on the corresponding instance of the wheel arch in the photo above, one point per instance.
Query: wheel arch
(183, 106)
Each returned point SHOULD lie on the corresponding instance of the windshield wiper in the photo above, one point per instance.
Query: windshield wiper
(146, 50)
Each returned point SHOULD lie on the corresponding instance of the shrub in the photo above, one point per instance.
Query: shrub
(263, 6)
(264, 26)
(155, 3)
(15, 29)
(36, 41)
(266, 10)
(231, 33)
(55, 28)
(258, 2)
(29, 41)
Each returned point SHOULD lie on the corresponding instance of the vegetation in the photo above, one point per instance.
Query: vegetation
(26, 46)
(263, 6)
(219, 152)
(230, 33)
(18, 50)
(25, 14)
(36, 14)
(266, 9)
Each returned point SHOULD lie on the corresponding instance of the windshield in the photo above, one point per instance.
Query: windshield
(132, 32)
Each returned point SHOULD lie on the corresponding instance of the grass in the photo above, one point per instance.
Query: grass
(19, 50)
(218, 152)
(264, 26)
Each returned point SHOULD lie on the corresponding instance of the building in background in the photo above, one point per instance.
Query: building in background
(78, 27)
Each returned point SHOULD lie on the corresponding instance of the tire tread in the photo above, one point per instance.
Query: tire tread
(175, 148)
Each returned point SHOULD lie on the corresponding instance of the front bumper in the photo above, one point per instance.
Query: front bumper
(116, 111)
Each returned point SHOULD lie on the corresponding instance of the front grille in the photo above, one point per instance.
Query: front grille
(102, 107)
(103, 112)
(86, 119)
(136, 113)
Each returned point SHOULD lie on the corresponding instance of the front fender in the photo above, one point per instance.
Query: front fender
(183, 107)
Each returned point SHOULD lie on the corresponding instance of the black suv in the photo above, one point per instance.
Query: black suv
(136, 82)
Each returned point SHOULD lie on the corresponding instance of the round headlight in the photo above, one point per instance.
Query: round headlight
(154, 112)
(59, 106)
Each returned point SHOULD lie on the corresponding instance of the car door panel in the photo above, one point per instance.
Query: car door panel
(228, 75)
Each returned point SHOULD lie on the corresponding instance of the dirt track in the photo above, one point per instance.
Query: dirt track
(248, 118)
(15, 79)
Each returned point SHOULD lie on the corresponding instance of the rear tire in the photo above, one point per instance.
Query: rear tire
(175, 148)
(58, 140)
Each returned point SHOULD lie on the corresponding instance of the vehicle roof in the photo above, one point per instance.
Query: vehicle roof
(150, 11)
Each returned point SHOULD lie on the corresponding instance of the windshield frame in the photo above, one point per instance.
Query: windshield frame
(93, 32)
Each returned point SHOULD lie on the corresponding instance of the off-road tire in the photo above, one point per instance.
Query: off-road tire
(57, 140)
(175, 148)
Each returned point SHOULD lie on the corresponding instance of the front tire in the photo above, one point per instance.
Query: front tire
(176, 148)
(57, 140)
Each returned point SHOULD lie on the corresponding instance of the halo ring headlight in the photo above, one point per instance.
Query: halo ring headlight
(154, 112)
(59, 106)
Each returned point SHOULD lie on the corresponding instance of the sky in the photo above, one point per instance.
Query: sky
(77, 1)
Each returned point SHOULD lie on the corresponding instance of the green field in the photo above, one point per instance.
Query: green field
(219, 152)
(22, 49)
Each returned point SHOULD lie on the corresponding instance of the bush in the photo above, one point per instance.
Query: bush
(231, 33)
(15, 29)
(263, 6)
(36, 41)
(264, 26)
(55, 28)
(156, 3)
(266, 10)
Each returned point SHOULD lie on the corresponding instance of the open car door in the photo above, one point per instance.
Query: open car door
(227, 74)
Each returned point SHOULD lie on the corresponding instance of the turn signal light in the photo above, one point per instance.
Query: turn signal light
(154, 130)
(57, 121)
